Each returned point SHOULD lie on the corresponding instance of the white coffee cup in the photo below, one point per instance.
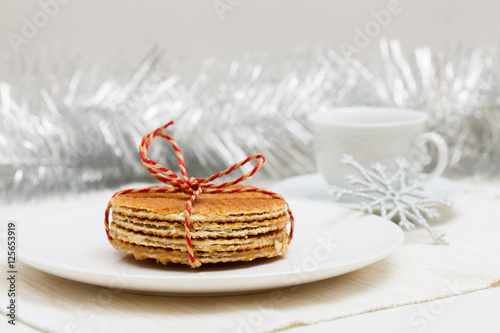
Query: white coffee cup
(371, 135)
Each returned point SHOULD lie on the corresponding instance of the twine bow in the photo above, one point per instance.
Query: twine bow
(191, 185)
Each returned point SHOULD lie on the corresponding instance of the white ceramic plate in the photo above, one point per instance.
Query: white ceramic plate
(329, 241)
(314, 187)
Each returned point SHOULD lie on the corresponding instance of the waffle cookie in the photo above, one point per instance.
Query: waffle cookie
(224, 227)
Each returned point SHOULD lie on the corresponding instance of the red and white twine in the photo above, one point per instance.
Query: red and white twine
(193, 186)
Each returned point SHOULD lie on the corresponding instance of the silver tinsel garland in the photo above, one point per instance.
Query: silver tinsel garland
(458, 89)
(67, 126)
(71, 127)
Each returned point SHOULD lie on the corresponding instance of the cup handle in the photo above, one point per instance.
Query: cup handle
(442, 153)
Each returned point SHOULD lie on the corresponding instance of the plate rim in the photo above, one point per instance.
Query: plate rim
(455, 188)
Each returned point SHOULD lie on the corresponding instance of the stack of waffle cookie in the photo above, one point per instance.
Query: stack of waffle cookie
(225, 227)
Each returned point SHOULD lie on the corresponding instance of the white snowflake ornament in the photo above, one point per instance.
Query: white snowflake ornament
(395, 197)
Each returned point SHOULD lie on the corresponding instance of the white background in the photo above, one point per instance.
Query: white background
(192, 29)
